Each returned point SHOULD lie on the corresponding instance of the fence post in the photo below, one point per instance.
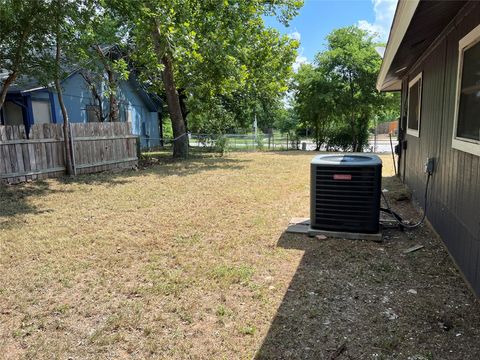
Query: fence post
(72, 146)
(138, 146)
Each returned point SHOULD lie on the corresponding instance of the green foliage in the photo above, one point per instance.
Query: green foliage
(339, 138)
(167, 127)
(223, 311)
(248, 330)
(287, 121)
(336, 98)
(227, 65)
(25, 26)
(221, 145)
(315, 102)
(215, 119)
(260, 142)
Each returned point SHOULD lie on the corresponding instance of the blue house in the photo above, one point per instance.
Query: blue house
(29, 103)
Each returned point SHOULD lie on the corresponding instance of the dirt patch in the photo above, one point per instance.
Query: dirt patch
(189, 260)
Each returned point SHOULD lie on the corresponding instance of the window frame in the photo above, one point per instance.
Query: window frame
(411, 83)
(45, 102)
(459, 143)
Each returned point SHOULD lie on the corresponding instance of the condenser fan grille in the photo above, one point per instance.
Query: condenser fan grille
(345, 198)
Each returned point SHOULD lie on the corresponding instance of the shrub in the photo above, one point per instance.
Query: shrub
(260, 142)
(221, 145)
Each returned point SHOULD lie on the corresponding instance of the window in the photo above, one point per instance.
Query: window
(13, 113)
(414, 105)
(41, 112)
(466, 131)
(93, 113)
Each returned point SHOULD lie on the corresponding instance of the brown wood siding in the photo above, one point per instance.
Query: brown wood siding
(454, 202)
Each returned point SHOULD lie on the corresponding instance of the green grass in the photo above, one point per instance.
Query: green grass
(229, 275)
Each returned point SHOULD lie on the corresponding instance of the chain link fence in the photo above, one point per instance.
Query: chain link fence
(259, 142)
(233, 142)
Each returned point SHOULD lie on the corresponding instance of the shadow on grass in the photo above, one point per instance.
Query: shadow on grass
(294, 152)
(298, 330)
(161, 165)
(352, 299)
(14, 199)
(323, 314)
(335, 303)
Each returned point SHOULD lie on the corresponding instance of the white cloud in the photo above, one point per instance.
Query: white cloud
(299, 61)
(371, 28)
(296, 35)
(384, 11)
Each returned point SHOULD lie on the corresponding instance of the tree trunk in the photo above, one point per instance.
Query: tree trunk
(317, 137)
(17, 61)
(180, 144)
(8, 81)
(58, 87)
(95, 95)
(182, 97)
(99, 102)
(352, 114)
(66, 133)
(112, 84)
(354, 136)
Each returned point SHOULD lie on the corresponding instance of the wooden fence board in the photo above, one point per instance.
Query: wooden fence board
(10, 155)
(97, 147)
(3, 156)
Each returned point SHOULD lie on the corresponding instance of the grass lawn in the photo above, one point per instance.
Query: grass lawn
(190, 260)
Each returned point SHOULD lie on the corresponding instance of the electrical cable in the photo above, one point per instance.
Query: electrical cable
(397, 217)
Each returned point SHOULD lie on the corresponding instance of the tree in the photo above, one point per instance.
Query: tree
(197, 50)
(337, 96)
(353, 63)
(103, 56)
(287, 121)
(22, 34)
(64, 25)
(315, 101)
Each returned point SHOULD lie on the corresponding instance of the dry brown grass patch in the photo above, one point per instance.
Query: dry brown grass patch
(189, 260)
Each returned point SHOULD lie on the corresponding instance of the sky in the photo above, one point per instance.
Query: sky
(317, 18)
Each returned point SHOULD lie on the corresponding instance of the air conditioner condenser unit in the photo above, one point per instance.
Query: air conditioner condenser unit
(345, 193)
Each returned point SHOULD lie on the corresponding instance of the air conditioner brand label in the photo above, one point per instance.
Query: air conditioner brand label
(342, 177)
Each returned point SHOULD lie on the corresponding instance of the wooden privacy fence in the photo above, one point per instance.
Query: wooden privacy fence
(96, 147)
(103, 146)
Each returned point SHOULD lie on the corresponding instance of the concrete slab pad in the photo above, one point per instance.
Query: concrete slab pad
(300, 220)
(298, 229)
(302, 226)
(346, 235)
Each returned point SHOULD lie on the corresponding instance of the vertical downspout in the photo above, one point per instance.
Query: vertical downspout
(401, 135)
(403, 130)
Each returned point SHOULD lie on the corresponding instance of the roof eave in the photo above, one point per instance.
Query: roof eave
(401, 21)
